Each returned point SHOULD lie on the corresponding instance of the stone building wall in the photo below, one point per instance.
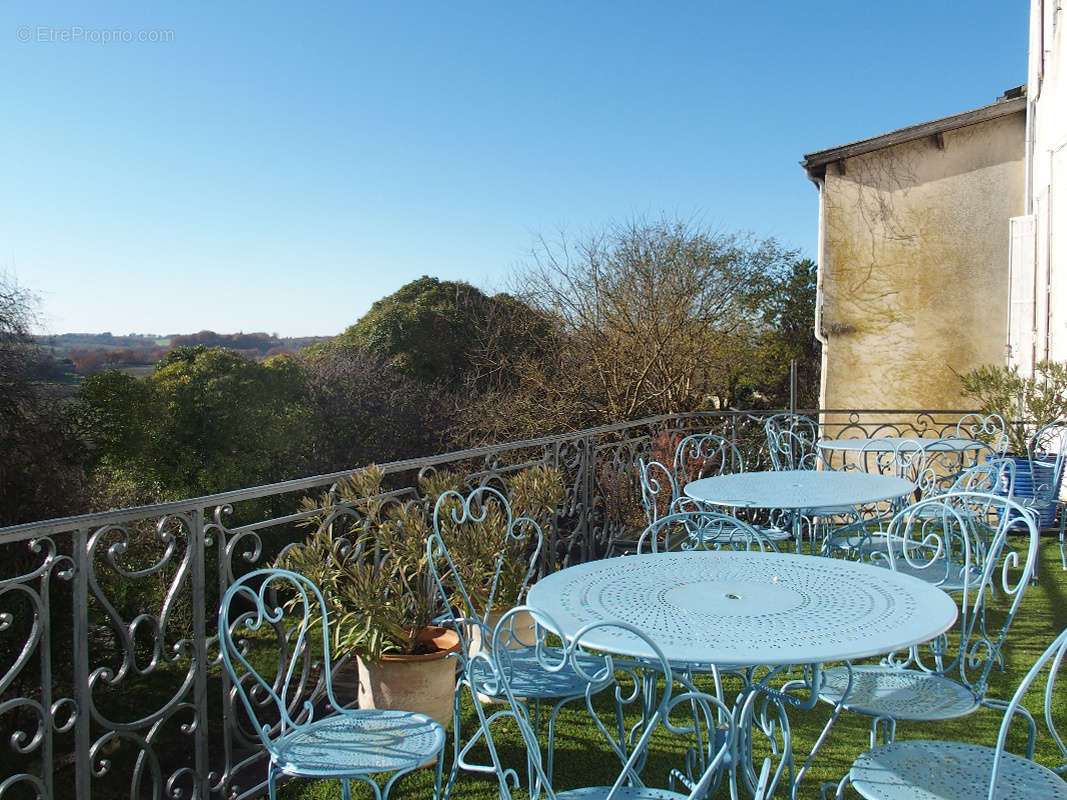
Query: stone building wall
(915, 265)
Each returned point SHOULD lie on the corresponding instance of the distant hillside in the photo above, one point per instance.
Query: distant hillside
(84, 353)
(107, 341)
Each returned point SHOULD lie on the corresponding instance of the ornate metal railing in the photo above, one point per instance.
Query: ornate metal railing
(110, 677)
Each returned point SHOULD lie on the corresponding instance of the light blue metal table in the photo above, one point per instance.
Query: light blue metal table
(725, 607)
(729, 607)
(900, 444)
(798, 491)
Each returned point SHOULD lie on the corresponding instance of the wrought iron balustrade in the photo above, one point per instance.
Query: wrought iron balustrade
(110, 675)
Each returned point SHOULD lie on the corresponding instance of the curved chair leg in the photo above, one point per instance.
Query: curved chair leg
(462, 747)
(551, 754)
(383, 792)
(837, 788)
(819, 742)
(753, 713)
(456, 742)
(507, 777)
(272, 790)
(373, 784)
(1022, 711)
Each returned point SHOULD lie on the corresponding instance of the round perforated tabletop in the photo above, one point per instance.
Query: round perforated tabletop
(725, 607)
(791, 489)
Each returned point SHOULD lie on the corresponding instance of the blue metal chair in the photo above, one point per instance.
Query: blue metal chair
(308, 735)
(988, 428)
(948, 539)
(1042, 475)
(702, 530)
(703, 724)
(791, 441)
(976, 527)
(855, 539)
(935, 473)
(699, 455)
(659, 490)
(704, 455)
(792, 445)
(964, 771)
(474, 609)
(939, 472)
(938, 540)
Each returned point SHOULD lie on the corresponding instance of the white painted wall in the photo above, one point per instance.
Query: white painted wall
(1047, 274)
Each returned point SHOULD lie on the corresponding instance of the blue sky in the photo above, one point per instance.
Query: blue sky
(278, 167)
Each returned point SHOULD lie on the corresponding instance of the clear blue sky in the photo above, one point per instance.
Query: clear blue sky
(278, 167)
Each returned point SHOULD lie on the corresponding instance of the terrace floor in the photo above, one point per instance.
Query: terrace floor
(1042, 616)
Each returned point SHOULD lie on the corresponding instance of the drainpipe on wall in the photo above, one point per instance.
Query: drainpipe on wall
(820, 184)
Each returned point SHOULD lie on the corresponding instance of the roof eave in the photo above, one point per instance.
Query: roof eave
(815, 163)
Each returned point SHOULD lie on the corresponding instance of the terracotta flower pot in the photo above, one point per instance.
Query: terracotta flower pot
(422, 683)
(523, 628)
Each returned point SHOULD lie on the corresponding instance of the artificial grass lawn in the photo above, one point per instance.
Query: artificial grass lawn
(582, 758)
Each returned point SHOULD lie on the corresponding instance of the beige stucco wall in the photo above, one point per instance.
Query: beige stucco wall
(915, 265)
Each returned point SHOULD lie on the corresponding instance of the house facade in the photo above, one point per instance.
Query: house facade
(913, 262)
(1038, 318)
(938, 244)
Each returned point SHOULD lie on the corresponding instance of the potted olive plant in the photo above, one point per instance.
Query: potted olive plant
(1026, 405)
(368, 556)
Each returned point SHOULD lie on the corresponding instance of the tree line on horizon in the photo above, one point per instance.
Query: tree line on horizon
(643, 318)
(83, 354)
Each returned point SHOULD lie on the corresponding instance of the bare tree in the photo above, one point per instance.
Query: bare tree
(17, 353)
(42, 469)
(650, 318)
(365, 411)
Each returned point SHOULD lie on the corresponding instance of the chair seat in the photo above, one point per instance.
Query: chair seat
(529, 679)
(945, 575)
(622, 793)
(862, 543)
(929, 770)
(359, 741)
(829, 511)
(872, 547)
(898, 693)
(774, 533)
